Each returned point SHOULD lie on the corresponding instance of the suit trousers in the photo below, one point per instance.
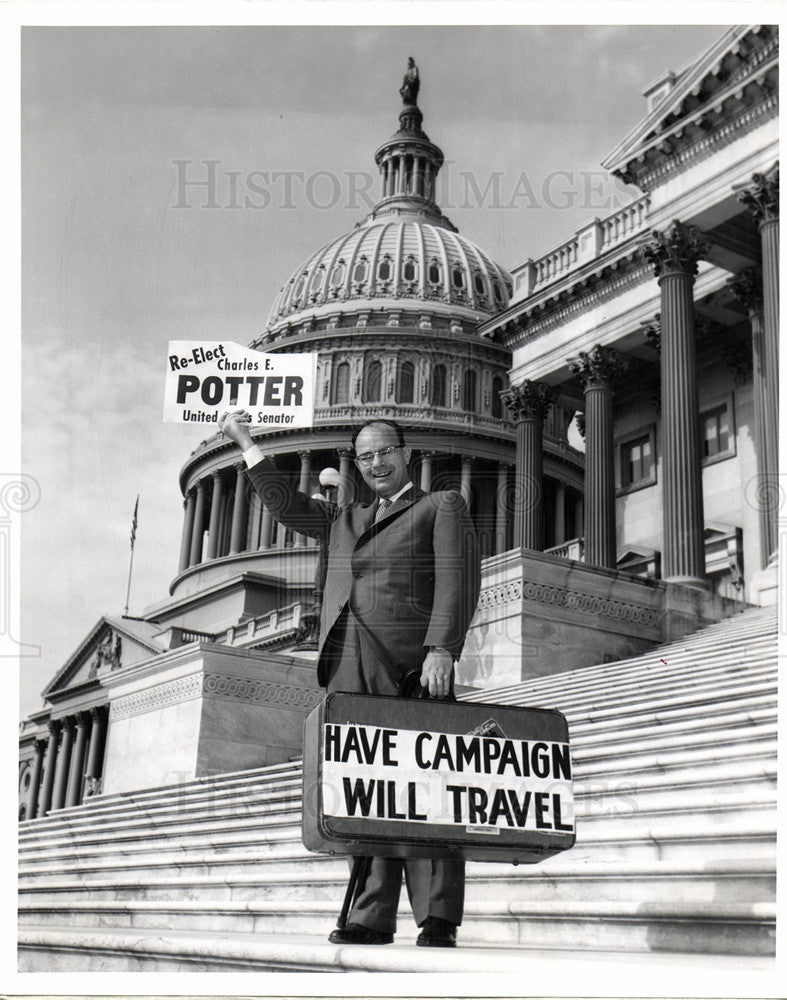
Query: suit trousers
(435, 888)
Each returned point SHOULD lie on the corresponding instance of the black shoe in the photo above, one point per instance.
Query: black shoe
(357, 934)
(437, 933)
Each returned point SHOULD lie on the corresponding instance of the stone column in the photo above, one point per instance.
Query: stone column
(528, 404)
(45, 799)
(464, 486)
(427, 458)
(265, 528)
(63, 762)
(579, 518)
(501, 519)
(215, 515)
(96, 748)
(303, 487)
(598, 370)
(239, 510)
(195, 556)
(345, 489)
(76, 770)
(39, 746)
(674, 254)
(188, 530)
(762, 199)
(746, 287)
(560, 513)
(255, 517)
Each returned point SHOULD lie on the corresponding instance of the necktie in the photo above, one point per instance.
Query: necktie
(382, 508)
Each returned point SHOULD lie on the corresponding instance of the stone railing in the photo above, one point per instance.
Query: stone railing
(572, 549)
(594, 239)
(264, 627)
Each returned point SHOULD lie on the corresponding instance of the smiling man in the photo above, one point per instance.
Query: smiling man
(401, 585)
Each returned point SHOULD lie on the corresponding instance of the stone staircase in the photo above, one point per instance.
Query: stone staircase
(675, 771)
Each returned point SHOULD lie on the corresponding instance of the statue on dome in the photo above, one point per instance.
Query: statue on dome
(410, 84)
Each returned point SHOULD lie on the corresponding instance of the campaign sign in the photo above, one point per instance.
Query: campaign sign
(398, 777)
(206, 378)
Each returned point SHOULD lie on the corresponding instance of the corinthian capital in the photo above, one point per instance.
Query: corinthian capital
(761, 197)
(677, 248)
(599, 368)
(747, 289)
(528, 400)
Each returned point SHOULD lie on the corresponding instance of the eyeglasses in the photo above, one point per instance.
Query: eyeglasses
(367, 457)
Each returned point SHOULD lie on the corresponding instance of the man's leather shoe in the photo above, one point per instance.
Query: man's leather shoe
(357, 934)
(437, 933)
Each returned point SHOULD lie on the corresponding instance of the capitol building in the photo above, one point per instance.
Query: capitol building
(609, 411)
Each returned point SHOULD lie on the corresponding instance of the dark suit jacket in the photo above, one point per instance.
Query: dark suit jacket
(409, 581)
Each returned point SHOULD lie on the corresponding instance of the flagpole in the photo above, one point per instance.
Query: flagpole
(131, 557)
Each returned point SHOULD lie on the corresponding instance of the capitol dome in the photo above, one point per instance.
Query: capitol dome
(405, 255)
(394, 257)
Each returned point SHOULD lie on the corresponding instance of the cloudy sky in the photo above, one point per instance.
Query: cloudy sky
(119, 257)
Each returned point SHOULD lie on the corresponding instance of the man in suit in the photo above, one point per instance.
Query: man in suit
(401, 585)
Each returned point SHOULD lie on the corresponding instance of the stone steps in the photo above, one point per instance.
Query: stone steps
(674, 768)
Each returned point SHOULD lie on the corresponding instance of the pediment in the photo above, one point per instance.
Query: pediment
(111, 644)
(739, 59)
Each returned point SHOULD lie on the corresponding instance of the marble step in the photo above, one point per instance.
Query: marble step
(739, 929)
(724, 654)
(676, 674)
(265, 824)
(494, 922)
(618, 800)
(288, 783)
(727, 778)
(737, 881)
(327, 881)
(760, 819)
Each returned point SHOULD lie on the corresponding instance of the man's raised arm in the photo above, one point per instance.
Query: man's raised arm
(293, 509)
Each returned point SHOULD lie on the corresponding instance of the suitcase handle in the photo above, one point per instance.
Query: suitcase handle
(410, 687)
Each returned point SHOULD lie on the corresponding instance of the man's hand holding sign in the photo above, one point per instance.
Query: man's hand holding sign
(401, 585)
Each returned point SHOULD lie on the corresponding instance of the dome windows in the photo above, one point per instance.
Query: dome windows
(498, 291)
(341, 390)
(458, 277)
(439, 382)
(434, 273)
(373, 382)
(384, 269)
(360, 271)
(469, 391)
(410, 270)
(405, 383)
(478, 283)
(497, 388)
(316, 283)
(338, 273)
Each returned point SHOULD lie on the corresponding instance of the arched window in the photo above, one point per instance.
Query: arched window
(359, 274)
(458, 277)
(478, 283)
(497, 402)
(299, 286)
(373, 382)
(469, 391)
(498, 291)
(341, 385)
(434, 273)
(405, 384)
(384, 270)
(337, 277)
(409, 271)
(438, 385)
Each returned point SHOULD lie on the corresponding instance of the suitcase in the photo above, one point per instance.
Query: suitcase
(396, 777)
